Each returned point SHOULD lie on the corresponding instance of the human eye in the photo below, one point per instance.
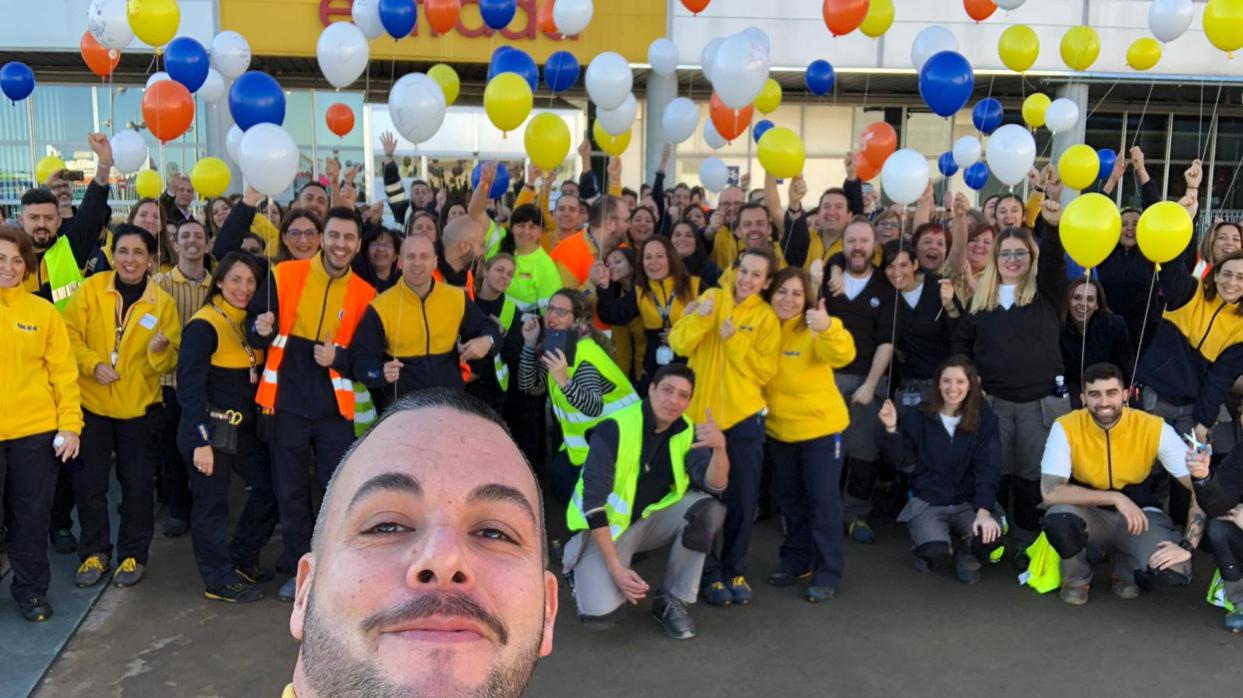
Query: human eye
(386, 528)
(496, 534)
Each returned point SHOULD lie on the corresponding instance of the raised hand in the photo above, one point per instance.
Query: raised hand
(818, 318)
(389, 141)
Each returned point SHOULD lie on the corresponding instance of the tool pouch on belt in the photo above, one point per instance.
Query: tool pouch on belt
(224, 426)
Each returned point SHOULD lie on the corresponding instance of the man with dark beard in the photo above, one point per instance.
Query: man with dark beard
(428, 572)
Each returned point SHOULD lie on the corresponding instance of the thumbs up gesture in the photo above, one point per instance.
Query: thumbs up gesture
(708, 434)
(818, 318)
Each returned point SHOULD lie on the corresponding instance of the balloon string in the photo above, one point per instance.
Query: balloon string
(1100, 101)
(1200, 120)
(1143, 112)
(1083, 346)
(1209, 141)
(1139, 344)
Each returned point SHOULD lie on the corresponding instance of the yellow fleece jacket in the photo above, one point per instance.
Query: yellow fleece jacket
(803, 401)
(38, 376)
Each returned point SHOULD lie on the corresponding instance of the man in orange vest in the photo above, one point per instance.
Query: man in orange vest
(306, 318)
(575, 254)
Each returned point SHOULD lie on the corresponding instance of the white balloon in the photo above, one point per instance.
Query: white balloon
(233, 143)
(416, 105)
(663, 56)
(1011, 153)
(904, 178)
(759, 36)
(1168, 19)
(617, 121)
(680, 119)
(740, 71)
(342, 53)
(161, 76)
(930, 41)
(572, 16)
(707, 57)
(713, 174)
(609, 80)
(268, 158)
(213, 87)
(967, 151)
(108, 23)
(1062, 115)
(230, 54)
(366, 14)
(1010, 4)
(129, 151)
(714, 139)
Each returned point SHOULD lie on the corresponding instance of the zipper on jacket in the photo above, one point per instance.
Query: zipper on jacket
(427, 328)
(1109, 459)
(1210, 325)
(323, 309)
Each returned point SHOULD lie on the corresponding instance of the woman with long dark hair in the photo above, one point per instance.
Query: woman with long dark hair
(686, 240)
(1106, 340)
(926, 314)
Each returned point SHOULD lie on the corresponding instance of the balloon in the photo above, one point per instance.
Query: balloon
(1090, 228)
(1143, 53)
(213, 87)
(844, 16)
(1164, 230)
(866, 171)
(987, 115)
(609, 80)
(515, 61)
(417, 105)
(879, 18)
(979, 10)
(47, 166)
(442, 15)
(1011, 153)
(561, 71)
(342, 52)
(946, 82)
(946, 164)
(613, 145)
(1107, 158)
(233, 143)
(340, 119)
(966, 151)
(930, 41)
(713, 174)
(572, 16)
(398, 17)
(230, 54)
(729, 123)
(497, 14)
(154, 22)
(1080, 47)
(759, 36)
(711, 137)
(1078, 166)
(366, 15)
(507, 99)
(781, 153)
(680, 119)
(17, 80)
(879, 140)
(1062, 115)
(500, 183)
(148, 184)
(186, 62)
(547, 140)
(663, 56)
(769, 97)
(210, 177)
(707, 57)
(1034, 109)
(129, 151)
(695, 6)
(1223, 24)
(976, 176)
(447, 78)
(168, 109)
(100, 60)
(268, 158)
(158, 77)
(904, 177)
(761, 127)
(1010, 4)
(1168, 19)
(820, 77)
(256, 98)
(617, 121)
(740, 71)
(106, 20)
(1019, 47)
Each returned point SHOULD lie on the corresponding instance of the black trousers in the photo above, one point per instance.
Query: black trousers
(127, 438)
(291, 441)
(62, 500)
(174, 487)
(28, 470)
(525, 416)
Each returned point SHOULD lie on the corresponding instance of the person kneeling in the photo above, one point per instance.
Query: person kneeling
(1219, 491)
(634, 495)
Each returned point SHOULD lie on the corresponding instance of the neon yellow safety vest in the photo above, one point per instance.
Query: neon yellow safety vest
(502, 370)
(63, 274)
(575, 424)
(626, 474)
(492, 243)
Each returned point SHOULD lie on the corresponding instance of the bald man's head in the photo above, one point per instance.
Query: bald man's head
(463, 241)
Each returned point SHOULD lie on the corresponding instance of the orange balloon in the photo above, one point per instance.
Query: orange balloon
(729, 123)
(695, 6)
(844, 16)
(340, 119)
(102, 61)
(546, 22)
(980, 10)
(865, 170)
(442, 14)
(879, 140)
(168, 109)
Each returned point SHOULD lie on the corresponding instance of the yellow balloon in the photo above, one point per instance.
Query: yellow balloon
(210, 177)
(1143, 53)
(547, 140)
(1034, 108)
(1079, 166)
(155, 22)
(1080, 47)
(1223, 24)
(769, 97)
(1164, 231)
(47, 167)
(148, 184)
(507, 100)
(1019, 47)
(1090, 229)
(781, 153)
(613, 145)
(879, 18)
(447, 78)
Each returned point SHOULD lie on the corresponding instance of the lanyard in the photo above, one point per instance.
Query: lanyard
(122, 322)
(250, 353)
(666, 309)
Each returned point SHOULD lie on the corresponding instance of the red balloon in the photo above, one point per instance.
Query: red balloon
(845, 16)
(546, 22)
(879, 140)
(340, 119)
(865, 170)
(980, 10)
(695, 6)
(729, 123)
(168, 109)
(442, 14)
(100, 60)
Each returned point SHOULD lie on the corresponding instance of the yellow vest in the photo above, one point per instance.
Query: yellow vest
(416, 327)
(228, 322)
(1115, 458)
(1209, 326)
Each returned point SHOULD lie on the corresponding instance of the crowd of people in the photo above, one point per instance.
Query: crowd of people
(674, 372)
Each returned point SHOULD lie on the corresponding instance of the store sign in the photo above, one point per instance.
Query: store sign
(525, 18)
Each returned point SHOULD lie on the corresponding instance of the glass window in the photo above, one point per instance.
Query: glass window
(1227, 192)
(927, 133)
(1104, 131)
(1148, 131)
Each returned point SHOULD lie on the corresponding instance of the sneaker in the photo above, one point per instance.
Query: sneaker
(175, 528)
(91, 570)
(234, 593)
(128, 573)
(254, 575)
(819, 594)
(63, 542)
(288, 590)
(740, 590)
(861, 532)
(967, 568)
(672, 615)
(36, 609)
(1234, 622)
(785, 579)
(1075, 596)
(1125, 590)
(715, 594)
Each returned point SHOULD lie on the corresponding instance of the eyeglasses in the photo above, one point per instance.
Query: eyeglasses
(888, 224)
(308, 233)
(1015, 255)
(560, 312)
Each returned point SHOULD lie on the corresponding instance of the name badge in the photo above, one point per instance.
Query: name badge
(148, 321)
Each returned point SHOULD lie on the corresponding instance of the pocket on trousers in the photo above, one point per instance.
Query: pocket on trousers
(1052, 407)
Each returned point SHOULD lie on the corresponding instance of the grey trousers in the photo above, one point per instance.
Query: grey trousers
(697, 516)
(930, 523)
(862, 449)
(1107, 529)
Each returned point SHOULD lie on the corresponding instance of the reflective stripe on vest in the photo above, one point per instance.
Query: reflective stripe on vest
(575, 424)
(63, 274)
(502, 370)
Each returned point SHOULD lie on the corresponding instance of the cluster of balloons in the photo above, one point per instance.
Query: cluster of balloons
(871, 18)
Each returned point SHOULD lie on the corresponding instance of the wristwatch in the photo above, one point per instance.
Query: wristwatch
(1186, 545)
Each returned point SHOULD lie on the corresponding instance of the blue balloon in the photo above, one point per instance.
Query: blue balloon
(976, 176)
(761, 128)
(500, 184)
(497, 14)
(398, 17)
(820, 78)
(946, 164)
(17, 80)
(256, 98)
(946, 82)
(987, 115)
(561, 71)
(515, 61)
(1108, 159)
(186, 62)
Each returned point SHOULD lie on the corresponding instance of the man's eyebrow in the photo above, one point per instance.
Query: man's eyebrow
(496, 492)
(387, 482)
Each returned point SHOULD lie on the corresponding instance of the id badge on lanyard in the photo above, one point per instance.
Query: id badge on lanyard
(664, 354)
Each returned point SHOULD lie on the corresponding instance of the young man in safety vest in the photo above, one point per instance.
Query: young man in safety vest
(633, 495)
(1098, 480)
(305, 317)
(576, 254)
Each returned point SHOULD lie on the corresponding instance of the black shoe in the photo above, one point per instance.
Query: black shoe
(234, 593)
(175, 528)
(672, 615)
(36, 609)
(254, 575)
(818, 594)
(63, 542)
(785, 579)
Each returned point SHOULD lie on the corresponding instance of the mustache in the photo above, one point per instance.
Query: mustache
(451, 604)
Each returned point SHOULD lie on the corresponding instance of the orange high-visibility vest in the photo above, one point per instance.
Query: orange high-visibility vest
(290, 280)
(470, 293)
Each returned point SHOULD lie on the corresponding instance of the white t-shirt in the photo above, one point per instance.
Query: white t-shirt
(1171, 451)
(912, 297)
(1005, 295)
(855, 286)
(950, 423)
